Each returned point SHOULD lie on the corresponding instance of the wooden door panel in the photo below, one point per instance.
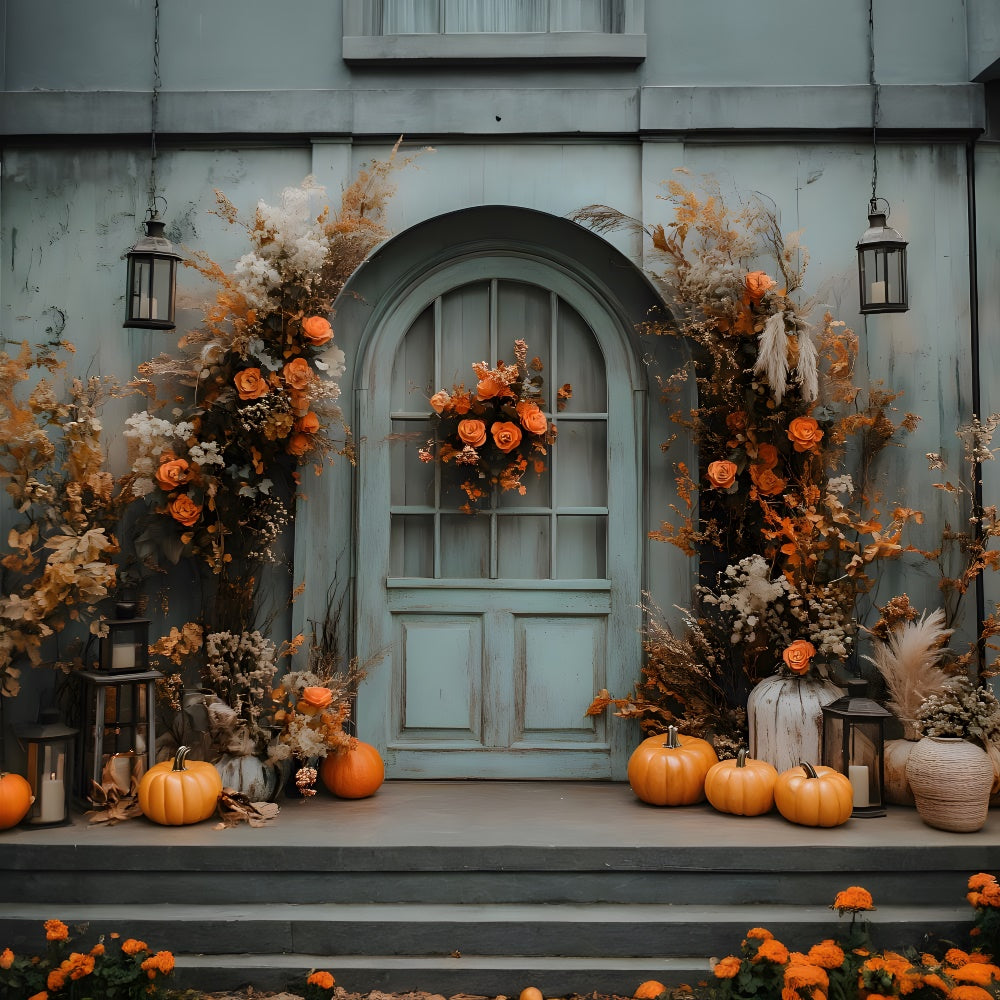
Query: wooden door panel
(439, 677)
(555, 701)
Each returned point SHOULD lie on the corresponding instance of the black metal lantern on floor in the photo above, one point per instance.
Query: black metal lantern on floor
(854, 744)
(49, 747)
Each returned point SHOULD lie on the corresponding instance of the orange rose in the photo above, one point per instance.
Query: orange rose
(798, 655)
(532, 418)
(440, 401)
(298, 444)
(722, 474)
(766, 481)
(736, 421)
(317, 697)
(767, 455)
(472, 432)
(308, 423)
(316, 330)
(297, 374)
(506, 436)
(804, 433)
(250, 384)
(490, 387)
(758, 283)
(172, 473)
(184, 510)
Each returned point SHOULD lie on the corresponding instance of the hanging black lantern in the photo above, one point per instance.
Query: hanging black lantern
(152, 280)
(881, 265)
(854, 744)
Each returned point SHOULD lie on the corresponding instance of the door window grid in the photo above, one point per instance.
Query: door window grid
(404, 17)
(553, 511)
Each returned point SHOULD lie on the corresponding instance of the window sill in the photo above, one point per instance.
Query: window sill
(561, 47)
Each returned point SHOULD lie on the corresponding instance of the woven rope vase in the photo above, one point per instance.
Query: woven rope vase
(951, 781)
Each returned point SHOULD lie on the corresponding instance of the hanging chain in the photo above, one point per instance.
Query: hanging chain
(154, 107)
(874, 86)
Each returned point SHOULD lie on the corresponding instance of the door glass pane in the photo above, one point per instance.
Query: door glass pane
(581, 363)
(523, 548)
(465, 546)
(581, 464)
(411, 545)
(411, 481)
(465, 334)
(538, 492)
(524, 313)
(582, 15)
(413, 369)
(581, 549)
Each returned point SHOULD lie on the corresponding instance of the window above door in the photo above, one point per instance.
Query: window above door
(493, 31)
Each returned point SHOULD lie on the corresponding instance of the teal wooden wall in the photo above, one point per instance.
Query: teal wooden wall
(774, 99)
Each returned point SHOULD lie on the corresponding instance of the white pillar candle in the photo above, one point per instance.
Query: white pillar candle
(120, 770)
(877, 292)
(858, 773)
(53, 800)
(123, 657)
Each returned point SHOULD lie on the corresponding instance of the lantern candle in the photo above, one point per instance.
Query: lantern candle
(53, 800)
(858, 773)
(123, 656)
(877, 292)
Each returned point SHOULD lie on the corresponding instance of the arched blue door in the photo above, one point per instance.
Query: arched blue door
(487, 635)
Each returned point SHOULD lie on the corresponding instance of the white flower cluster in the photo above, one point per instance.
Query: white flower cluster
(240, 669)
(963, 711)
(297, 237)
(762, 611)
(840, 484)
(150, 436)
(257, 280)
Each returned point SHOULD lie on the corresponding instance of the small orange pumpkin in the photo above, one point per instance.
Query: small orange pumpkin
(179, 791)
(354, 773)
(814, 795)
(531, 993)
(670, 769)
(649, 990)
(15, 799)
(742, 787)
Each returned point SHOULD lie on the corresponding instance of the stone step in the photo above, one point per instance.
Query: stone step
(436, 930)
(479, 975)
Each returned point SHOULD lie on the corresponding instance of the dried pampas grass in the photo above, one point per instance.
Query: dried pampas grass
(909, 662)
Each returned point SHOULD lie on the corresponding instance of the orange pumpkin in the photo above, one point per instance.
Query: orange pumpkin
(649, 990)
(178, 792)
(15, 799)
(814, 795)
(354, 773)
(670, 769)
(742, 787)
(531, 993)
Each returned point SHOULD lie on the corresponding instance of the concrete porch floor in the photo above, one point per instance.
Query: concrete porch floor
(483, 814)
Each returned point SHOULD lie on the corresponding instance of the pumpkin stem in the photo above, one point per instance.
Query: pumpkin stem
(180, 757)
(741, 757)
(808, 768)
(672, 742)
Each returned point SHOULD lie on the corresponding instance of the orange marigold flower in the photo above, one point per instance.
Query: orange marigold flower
(799, 976)
(760, 933)
(162, 961)
(827, 955)
(80, 965)
(6, 958)
(132, 946)
(966, 992)
(722, 474)
(56, 930)
(936, 982)
(39, 996)
(956, 957)
(981, 957)
(727, 968)
(853, 899)
(56, 980)
(976, 972)
(990, 896)
(322, 979)
(97, 950)
(772, 951)
(981, 880)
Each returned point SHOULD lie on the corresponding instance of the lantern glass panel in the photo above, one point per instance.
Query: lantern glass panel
(125, 648)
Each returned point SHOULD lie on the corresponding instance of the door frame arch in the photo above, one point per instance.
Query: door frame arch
(328, 516)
